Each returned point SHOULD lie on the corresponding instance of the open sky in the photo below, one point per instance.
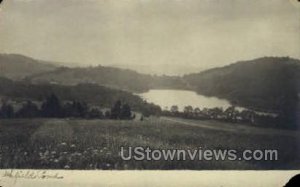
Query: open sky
(151, 36)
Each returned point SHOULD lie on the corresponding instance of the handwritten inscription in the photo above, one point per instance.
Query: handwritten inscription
(32, 174)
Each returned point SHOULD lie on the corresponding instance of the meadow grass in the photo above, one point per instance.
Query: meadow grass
(95, 144)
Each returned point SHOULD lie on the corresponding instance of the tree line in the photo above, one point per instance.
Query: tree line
(90, 93)
(230, 114)
(53, 107)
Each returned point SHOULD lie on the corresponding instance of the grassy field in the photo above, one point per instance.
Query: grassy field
(95, 144)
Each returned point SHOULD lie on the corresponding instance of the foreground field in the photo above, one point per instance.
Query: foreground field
(95, 144)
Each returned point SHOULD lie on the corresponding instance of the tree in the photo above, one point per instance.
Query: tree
(52, 107)
(125, 112)
(149, 109)
(76, 109)
(231, 113)
(107, 114)
(247, 116)
(28, 110)
(205, 111)
(188, 111)
(116, 110)
(174, 109)
(7, 111)
(95, 113)
(80, 109)
(68, 109)
(120, 111)
(146, 112)
(197, 111)
(214, 113)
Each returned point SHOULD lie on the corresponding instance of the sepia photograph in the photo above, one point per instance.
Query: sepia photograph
(150, 93)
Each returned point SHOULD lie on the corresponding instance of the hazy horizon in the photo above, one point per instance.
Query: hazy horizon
(172, 37)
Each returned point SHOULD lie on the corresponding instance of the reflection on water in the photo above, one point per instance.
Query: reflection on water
(167, 98)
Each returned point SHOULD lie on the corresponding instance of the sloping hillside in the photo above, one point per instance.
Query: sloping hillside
(90, 93)
(267, 83)
(108, 76)
(17, 67)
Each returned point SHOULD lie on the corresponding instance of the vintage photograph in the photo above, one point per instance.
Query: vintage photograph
(149, 85)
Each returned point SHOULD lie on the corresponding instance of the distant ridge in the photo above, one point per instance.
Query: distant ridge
(16, 67)
(118, 78)
(19, 67)
(267, 83)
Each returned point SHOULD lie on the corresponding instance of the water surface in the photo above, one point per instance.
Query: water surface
(167, 98)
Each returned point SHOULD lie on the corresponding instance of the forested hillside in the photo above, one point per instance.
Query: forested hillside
(90, 93)
(108, 76)
(265, 84)
(268, 83)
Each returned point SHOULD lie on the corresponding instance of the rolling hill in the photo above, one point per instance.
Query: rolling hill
(90, 93)
(17, 67)
(265, 84)
(117, 78)
(269, 83)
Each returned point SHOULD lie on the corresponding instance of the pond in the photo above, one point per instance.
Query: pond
(167, 98)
